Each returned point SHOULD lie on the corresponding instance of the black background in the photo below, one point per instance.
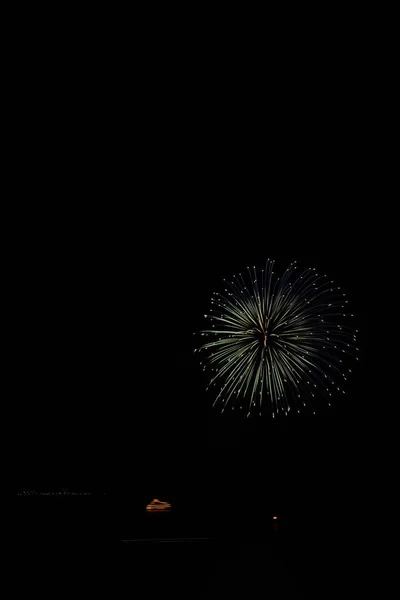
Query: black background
(143, 198)
(142, 168)
(109, 395)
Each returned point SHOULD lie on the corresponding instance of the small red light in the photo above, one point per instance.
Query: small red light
(274, 518)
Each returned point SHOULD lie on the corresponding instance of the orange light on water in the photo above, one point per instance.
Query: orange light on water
(157, 505)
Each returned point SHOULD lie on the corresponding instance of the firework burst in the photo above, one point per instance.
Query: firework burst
(278, 343)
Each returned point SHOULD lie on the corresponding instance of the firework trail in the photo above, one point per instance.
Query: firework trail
(278, 342)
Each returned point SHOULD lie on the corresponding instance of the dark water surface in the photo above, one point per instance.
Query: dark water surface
(203, 551)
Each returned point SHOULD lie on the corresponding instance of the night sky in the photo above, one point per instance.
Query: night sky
(142, 174)
(111, 396)
(114, 271)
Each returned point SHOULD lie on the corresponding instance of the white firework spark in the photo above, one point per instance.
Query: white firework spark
(278, 341)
